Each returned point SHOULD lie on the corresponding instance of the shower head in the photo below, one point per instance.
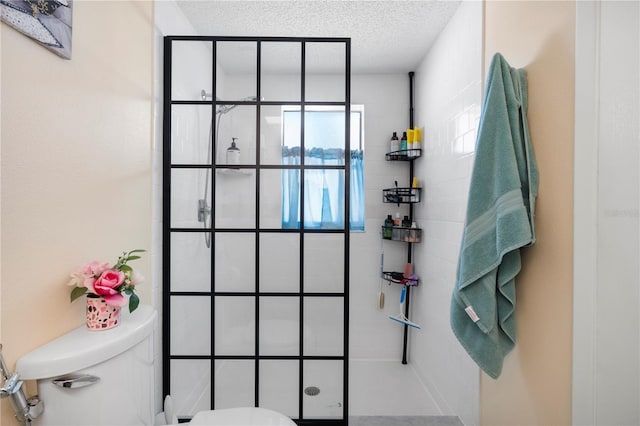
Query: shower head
(223, 109)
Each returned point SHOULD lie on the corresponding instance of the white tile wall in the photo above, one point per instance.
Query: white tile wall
(372, 334)
(448, 99)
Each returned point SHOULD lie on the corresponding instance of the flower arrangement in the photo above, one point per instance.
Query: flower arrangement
(100, 279)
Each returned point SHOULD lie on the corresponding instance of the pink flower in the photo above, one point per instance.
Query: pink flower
(87, 282)
(136, 278)
(107, 284)
(95, 268)
(86, 276)
(77, 279)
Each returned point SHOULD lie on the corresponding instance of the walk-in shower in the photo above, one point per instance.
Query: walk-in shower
(255, 316)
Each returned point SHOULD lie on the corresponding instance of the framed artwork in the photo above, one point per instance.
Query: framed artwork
(46, 21)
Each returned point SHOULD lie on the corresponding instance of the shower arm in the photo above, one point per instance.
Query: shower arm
(226, 108)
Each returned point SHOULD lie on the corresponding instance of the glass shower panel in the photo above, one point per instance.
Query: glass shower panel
(323, 263)
(325, 69)
(271, 201)
(327, 376)
(280, 71)
(236, 122)
(234, 383)
(234, 325)
(272, 136)
(190, 261)
(279, 382)
(291, 125)
(279, 326)
(191, 134)
(279, 262)
(324, 141)
(324, 199)
(236, 67)
(323, 326)
(187, 187)
(191, 325)
(235, 261)
(262, 316)
(191, 69)
(235, 199)
(190, 386)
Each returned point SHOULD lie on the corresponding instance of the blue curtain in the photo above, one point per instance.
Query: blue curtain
(323, 190)
(357, 191)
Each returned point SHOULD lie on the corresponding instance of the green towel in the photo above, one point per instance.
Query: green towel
(499, 221)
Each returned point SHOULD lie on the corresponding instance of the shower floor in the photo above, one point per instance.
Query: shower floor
(387, 388)
(388, 393)
(405, 421)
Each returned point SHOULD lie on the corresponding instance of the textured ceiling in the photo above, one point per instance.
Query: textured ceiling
(386, 36)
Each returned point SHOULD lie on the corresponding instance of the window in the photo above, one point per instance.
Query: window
(324, 188)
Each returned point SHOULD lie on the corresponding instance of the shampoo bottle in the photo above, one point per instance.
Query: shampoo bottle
(388, 228)
(233, 153)
(397, 221)
(417, 139)
(394, 144)
(403, 142)
(410, 142)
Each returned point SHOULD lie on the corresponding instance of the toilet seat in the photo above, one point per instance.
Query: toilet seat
(244, 416)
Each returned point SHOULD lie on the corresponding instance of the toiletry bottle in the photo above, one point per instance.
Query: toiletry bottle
(417, 140)
(397, 221)
(403, 142)
(388, 228)
(406, 222)
(394, 144)
(413, 233)
(410, 138)
(233, 153)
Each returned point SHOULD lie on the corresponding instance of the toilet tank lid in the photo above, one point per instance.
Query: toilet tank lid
(82, 348)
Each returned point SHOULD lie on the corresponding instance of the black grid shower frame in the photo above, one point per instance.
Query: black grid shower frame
(257, 294)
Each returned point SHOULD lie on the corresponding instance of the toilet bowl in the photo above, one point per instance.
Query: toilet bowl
(107, 378)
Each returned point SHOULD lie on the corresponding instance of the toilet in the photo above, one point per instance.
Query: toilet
(107, 378)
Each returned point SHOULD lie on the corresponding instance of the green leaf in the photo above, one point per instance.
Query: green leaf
(133, 258)
(134, 301)
(77, 292)
(137, 251)
(126, 268)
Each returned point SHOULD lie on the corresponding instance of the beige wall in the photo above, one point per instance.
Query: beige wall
(76, 183)
(76, 165)
(535, 386)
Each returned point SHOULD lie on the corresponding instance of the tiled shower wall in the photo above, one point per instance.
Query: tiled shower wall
(448, 100)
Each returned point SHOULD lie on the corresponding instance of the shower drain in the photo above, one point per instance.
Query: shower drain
(311, 391)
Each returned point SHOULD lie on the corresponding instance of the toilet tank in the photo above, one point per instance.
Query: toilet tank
(120, 358)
